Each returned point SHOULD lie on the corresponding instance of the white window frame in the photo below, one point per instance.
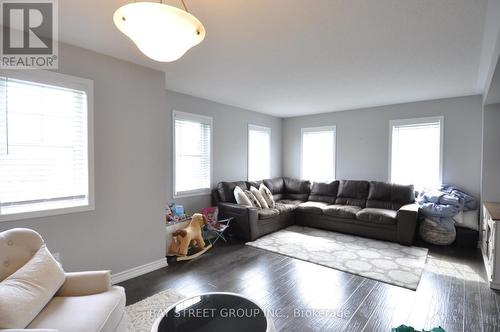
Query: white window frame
(316, 129)
(258, 128)
(197, 118)
(413, 121)
(70, 82)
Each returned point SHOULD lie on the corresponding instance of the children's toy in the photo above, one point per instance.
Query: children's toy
(190, 235)
(214, 229)
(174, 213)
(211, 213)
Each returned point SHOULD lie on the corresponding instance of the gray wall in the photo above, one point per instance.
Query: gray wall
(491, 154)
(133, 164)
(230, 135)
(126, 228)
(363, 139)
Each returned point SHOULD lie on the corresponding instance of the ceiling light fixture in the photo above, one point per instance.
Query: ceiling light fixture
(163, 33)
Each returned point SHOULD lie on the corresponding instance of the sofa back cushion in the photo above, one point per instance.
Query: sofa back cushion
(297, 189)
(255, 184)
(352, 192)
(324, 192)
(226, 190)
(391, 196)
(276, 186)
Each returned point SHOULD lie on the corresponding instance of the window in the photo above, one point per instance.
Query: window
(45, 167)
(318, 154)
(192, 154)
(259, 153)
(416, 151)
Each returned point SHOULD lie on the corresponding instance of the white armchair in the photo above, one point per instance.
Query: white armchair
(86, 301)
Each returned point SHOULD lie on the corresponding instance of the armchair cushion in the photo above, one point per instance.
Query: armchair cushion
(24, 293)
(85, 283)
(101, 312)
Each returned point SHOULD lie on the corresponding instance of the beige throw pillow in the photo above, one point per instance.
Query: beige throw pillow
(253, 199)
(25, 293)
(240, 197)
(259, 197)
(268, 196)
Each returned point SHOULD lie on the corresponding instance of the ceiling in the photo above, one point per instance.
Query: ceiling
(299, 57)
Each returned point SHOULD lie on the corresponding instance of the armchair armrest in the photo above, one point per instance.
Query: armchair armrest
(85, 283)
(245, 219)
(407, 217)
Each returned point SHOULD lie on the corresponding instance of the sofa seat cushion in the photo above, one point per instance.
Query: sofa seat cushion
(290, 201)
(99, 312)
(311, 207)
(267, 213)
(378, 216)
(284, 207)
(342, 211)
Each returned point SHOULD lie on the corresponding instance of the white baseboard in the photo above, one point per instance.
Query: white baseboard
(138, 270)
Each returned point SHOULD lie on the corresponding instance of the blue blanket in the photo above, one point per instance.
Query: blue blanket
(446, 202)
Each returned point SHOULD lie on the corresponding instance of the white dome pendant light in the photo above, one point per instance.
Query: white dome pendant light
(162, 32)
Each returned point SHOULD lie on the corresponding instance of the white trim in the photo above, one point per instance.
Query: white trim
(263, 129)
(69, 82)
(411, 121)
(138, 271)
(319, 129)
(201, 119)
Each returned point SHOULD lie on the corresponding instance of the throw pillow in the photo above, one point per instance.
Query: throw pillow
(27, 291)
(253, 199)
(268, 196)
(241, 197)
(260, 198)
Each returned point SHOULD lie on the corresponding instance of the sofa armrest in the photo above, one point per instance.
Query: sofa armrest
(407, 223)
(85, 283)
(245, 219)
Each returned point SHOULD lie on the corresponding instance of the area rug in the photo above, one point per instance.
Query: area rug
(384, 261)
(142, 315)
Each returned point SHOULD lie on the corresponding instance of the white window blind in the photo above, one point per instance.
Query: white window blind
(192, 148)
(259, 153)
(416, 152)
(43, 147)
(318, 154)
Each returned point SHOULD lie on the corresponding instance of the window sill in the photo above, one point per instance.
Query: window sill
(16, 214)
(202, 192)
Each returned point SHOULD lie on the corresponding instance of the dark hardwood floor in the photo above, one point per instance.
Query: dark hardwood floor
(303, 296)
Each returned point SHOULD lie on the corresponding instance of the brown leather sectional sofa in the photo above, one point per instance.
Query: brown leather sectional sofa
(368, 208)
